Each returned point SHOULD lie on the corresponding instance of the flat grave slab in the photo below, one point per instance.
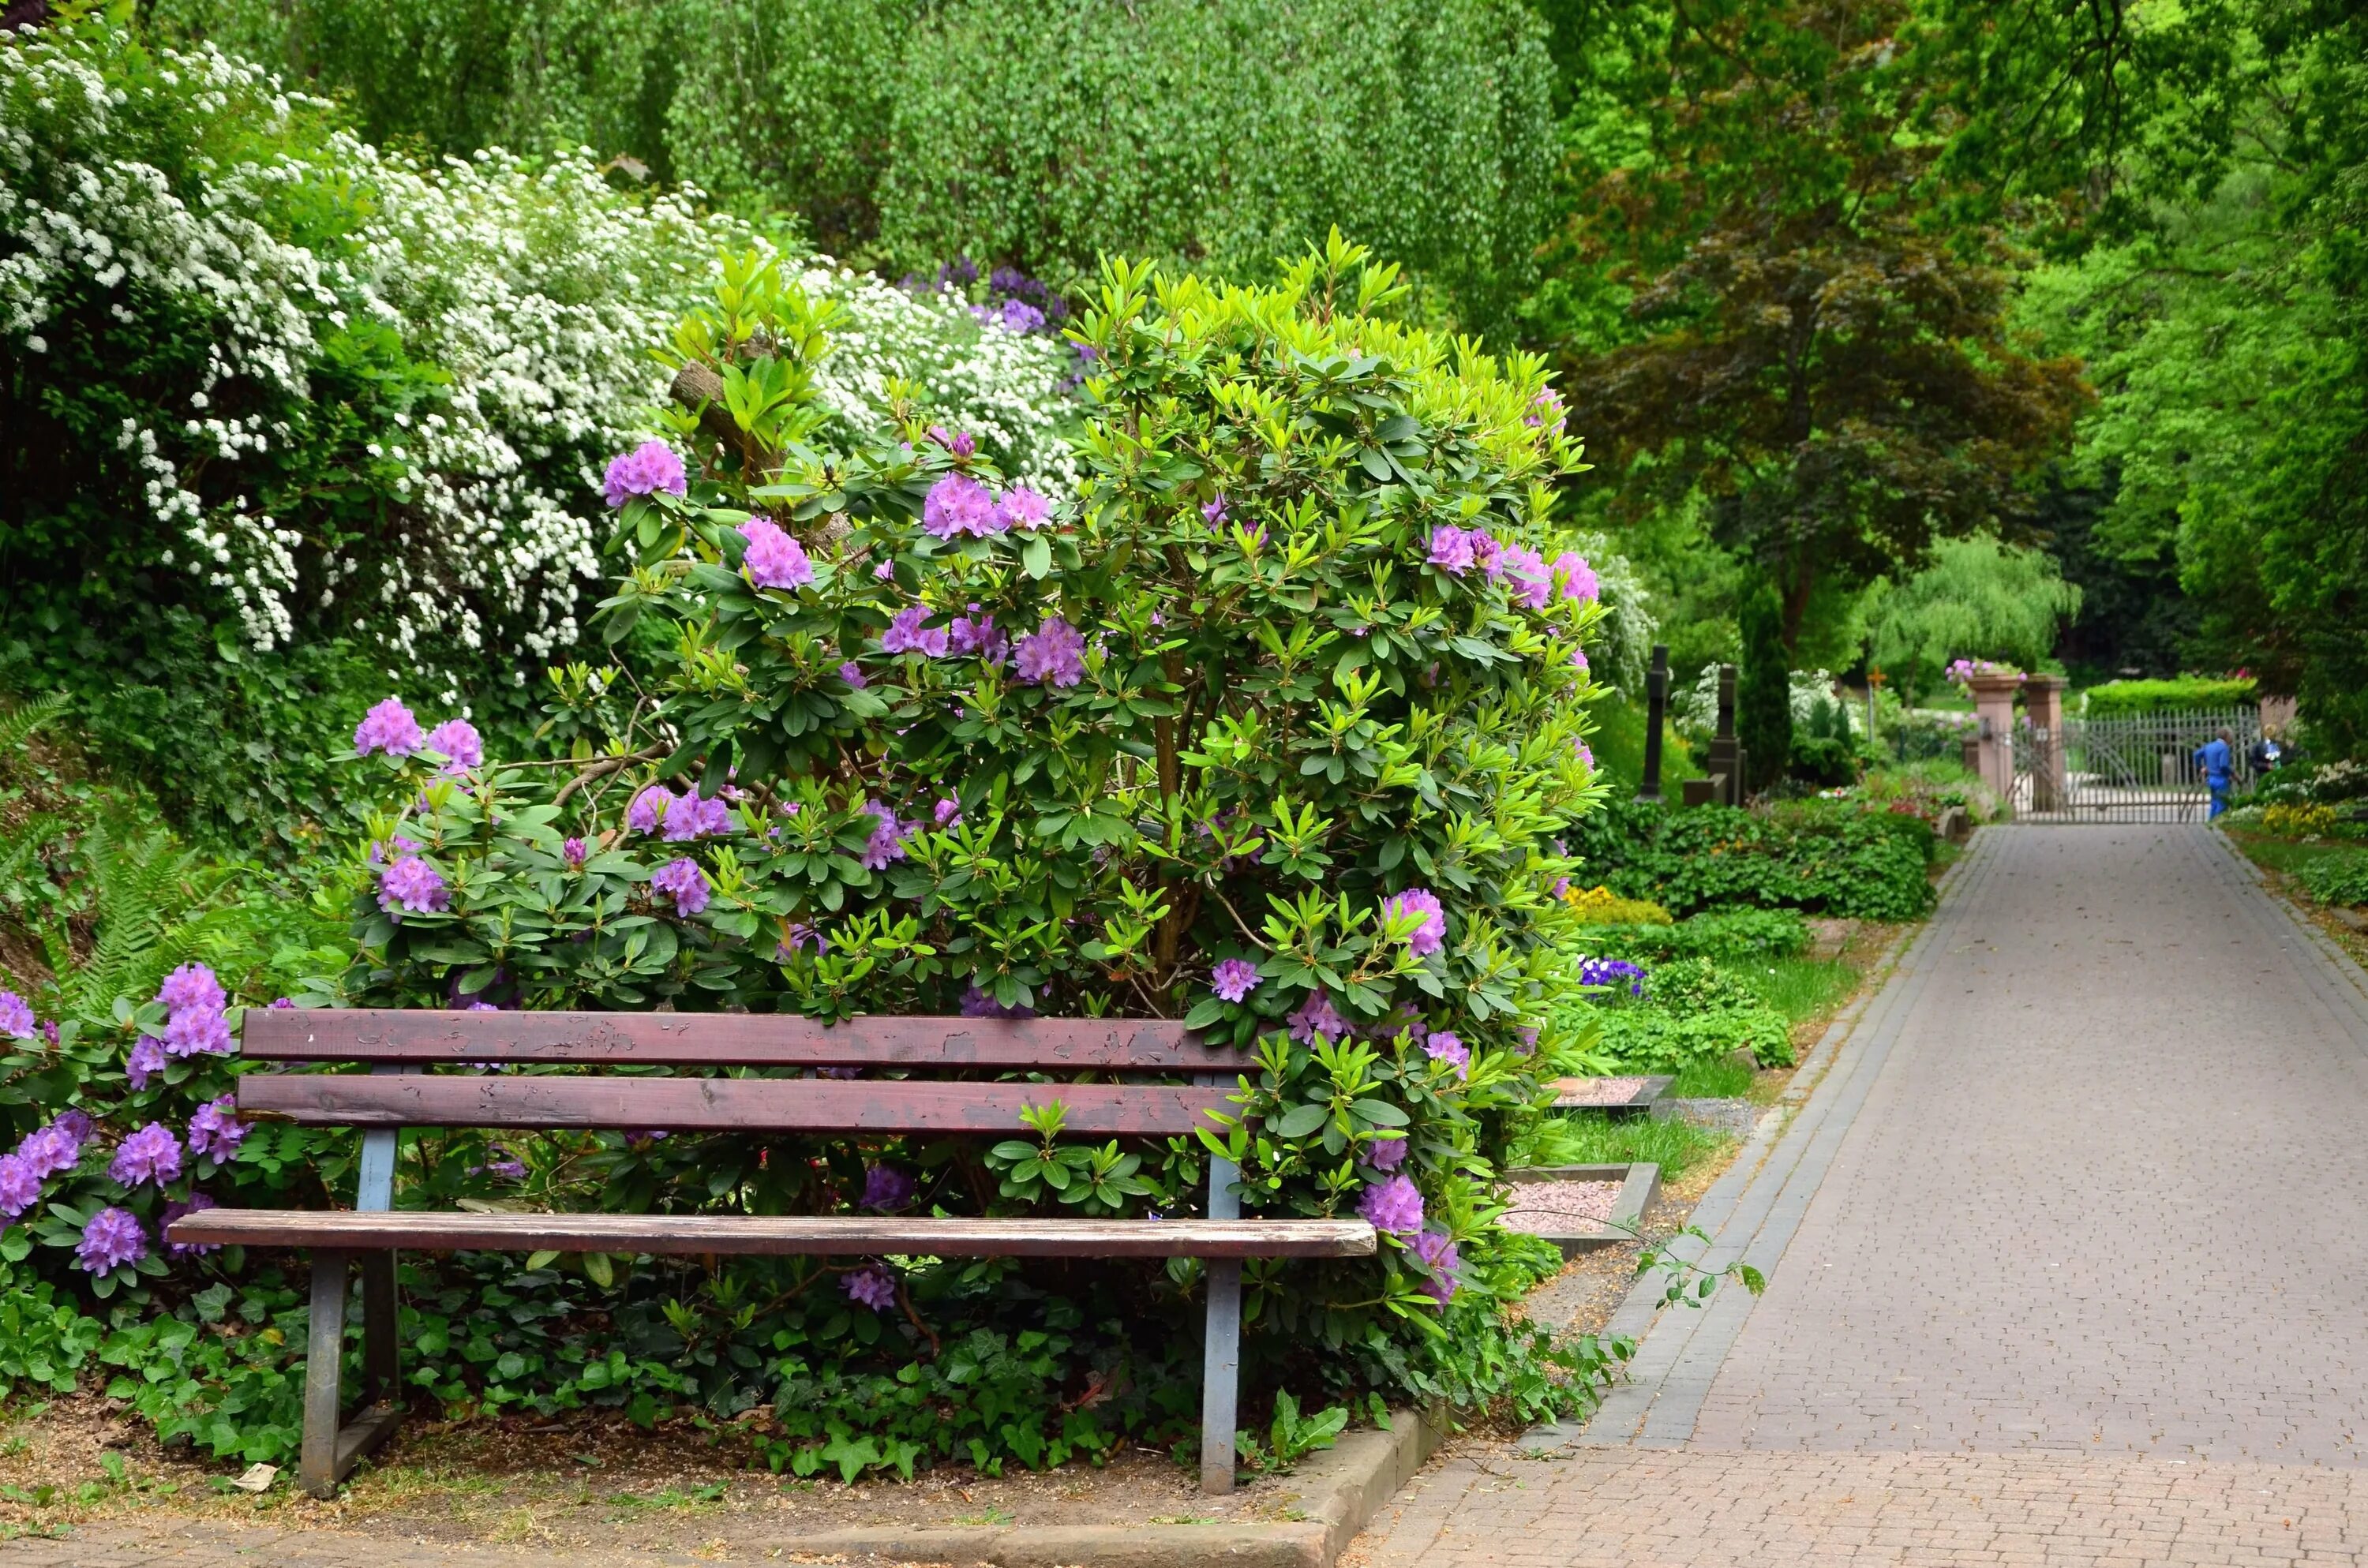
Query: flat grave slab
(1581, 1207)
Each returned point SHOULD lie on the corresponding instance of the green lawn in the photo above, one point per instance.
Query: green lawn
(1592, 1138)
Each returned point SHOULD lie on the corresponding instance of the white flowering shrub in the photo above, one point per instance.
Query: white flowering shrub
(307, 384)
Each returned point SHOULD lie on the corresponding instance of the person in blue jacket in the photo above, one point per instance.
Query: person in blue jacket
(2217, 760)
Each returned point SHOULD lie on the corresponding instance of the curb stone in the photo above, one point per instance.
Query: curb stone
(1334, 1493)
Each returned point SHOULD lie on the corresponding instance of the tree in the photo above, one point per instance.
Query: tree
(1978, 600)
(1820, 355)
(1763, 689)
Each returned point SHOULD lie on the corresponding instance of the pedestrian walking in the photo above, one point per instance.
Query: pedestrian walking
(2217, 760)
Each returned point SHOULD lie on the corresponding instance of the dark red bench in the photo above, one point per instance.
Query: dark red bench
(400, 1091)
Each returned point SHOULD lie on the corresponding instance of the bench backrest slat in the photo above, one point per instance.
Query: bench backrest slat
(730, 1040)
(749, 1104)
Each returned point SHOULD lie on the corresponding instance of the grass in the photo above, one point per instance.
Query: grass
(1592, 1138)
(2287, 857)
(1719, 1080)
(1799, 988)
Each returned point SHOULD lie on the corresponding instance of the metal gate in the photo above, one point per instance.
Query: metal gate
(2133, 768)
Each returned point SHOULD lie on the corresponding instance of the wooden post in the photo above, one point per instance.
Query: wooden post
(1656, 708)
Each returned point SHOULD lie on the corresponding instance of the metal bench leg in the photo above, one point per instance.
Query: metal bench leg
(381, 1350)
(316, 1466)
(1220, 1365)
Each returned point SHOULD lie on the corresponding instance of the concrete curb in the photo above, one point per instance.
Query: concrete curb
(1334, 1494)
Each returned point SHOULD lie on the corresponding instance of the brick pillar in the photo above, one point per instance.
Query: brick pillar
(2043, 699)
(1994, 704)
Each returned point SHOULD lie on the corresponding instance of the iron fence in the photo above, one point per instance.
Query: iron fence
(2127, 767)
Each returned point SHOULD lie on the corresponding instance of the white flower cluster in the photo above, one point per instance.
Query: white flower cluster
(1694, 711)
(1000, 386)
(538, 289)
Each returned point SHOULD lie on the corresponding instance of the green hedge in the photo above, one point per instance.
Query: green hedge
(2185, 694)
(1827, 858)
(1755, 934)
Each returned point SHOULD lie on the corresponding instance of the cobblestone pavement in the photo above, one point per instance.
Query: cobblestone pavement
(2064, 1254)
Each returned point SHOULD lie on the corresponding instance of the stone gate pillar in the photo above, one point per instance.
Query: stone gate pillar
(1994, 705)
(2042, 701)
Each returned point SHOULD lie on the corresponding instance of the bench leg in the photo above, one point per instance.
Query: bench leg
(324, 1354)
(1221, 1374)
(331, 1446)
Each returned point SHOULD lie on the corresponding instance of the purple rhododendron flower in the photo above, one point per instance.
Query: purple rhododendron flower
(113, 1239)
(1444, 1262)
(197, 1032)
(175, 1210)
(77, 1125)
(145, 1060)
(884, 571)
(872, 1285)
(1574, 578)
(390, 728)
(887, 840)
(48, 1151)
(948, 812)
(1525, 571)
(411, 886)
(1486, 552)
(214, 1132)
(684, 882)
(977, 1003)
(50, 1032)
(1234, 979)
(1431, 935)
(457, 741)
(773, 558)
(1022, 508)
(1450, 550)
(976, 634)
(853, 674)
(20, 1188)
(279, 1002)
(15, 1016)
(688, 816)
(1584, 753)
(649, 809)
(575, 853)
(961, 443)
(1394, 1206)
(191, 985)
(906, 634)
(1315, 1017)
(153, 1154)
(960, 505)
(649, 468)
(1214, 513)
(1386, 1153)
(885, 1187)
(1447, 1048)
(1052, 654)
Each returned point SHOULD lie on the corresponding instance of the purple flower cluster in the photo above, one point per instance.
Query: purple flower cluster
(153, 1154)
(389, 727)
(194, 1024)
(887, 841)
(1317, 1015)
(48, 1150)
(1431, 935)
(19, 1187)
(113, 1239)
(649, 468)
(1613, 972)
(1448, 1048)
(1054, 655)
(15, 1016)
(684, 882)
(457, 741)
(1386, 1153)
(958, 505)
(872, 1285)
(1439, 1256)
(1393, 1205)
(853, 674)
(410, 886)
(685, 817)
(885, 1188)
(1546, 411)
(175, 1210)
(1234, 979)
(1575, 579)
(773, 558)
(977, 1003)
(907, 633)
(214, 1133)
(574, 852)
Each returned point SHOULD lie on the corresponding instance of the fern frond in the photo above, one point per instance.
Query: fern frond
(18, 722)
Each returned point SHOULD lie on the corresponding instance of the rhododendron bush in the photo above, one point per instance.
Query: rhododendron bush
(1273, 725)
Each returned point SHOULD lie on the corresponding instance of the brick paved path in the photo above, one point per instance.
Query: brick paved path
(2065, 1253)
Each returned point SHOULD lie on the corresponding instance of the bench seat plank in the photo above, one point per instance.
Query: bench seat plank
(720, 1105)
(862, 1235)
(418, 1037)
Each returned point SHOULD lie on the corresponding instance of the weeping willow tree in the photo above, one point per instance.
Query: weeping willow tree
(1978, 599)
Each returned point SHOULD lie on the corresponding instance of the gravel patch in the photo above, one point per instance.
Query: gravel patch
(1598, 1091)
(1547, 1207)
(1734, 1118)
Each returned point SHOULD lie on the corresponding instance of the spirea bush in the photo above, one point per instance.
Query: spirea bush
(1274, 727)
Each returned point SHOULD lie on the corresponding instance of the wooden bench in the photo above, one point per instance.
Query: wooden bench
(400, 1047)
